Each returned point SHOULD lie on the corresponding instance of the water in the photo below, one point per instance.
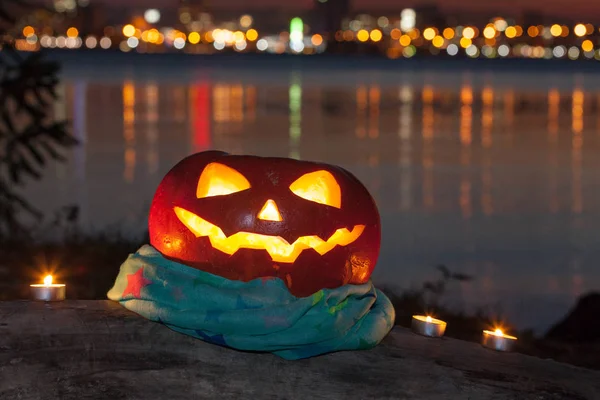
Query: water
(494, 172)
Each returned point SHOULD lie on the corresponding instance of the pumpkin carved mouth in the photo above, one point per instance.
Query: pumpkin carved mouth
(278, 248)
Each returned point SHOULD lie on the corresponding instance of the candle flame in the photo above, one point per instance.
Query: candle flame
(498, 332)
(428, 319)
(48, 280)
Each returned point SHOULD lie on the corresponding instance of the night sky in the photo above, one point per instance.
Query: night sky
(570, 8)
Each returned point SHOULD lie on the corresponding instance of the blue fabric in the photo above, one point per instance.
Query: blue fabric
(259, 315)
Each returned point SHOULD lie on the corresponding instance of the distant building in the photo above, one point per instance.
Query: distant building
(328, 15)
(194, 12)
(429, 15)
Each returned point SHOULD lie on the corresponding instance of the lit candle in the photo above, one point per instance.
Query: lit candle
(428, 326)
(48, 291)
(497, 340)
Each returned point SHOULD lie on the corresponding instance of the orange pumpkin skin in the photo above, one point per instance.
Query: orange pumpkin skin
(348, 257)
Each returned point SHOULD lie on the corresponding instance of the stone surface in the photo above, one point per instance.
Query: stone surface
(99, 350)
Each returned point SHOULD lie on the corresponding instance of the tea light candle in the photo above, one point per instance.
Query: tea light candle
(48, 291)
(497, 340)
(428, 326)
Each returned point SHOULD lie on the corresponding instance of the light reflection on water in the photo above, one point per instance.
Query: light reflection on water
(491, 179)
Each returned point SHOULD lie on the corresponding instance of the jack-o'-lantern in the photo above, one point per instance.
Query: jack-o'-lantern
(313, 225)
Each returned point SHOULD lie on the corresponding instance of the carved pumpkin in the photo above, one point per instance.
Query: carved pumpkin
(243, 217)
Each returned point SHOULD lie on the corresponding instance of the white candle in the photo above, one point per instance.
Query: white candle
(48, 291)
(428, 326)
(497, 340)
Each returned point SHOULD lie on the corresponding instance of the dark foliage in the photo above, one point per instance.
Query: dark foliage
(29, 135)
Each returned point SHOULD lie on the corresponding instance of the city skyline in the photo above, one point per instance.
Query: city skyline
(577, 8)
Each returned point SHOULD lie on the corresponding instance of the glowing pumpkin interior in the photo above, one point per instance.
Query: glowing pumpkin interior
(320, 187)
(220, 180)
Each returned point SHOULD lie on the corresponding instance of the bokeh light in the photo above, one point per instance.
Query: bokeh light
(500, 24)
(179, 43)
(489, 32)
(587, 45)
(573, 53)
(448, 33)
(240, 45)
(376, 35)
(152, 16)
(559, 51)
(238, 36)
(556, 30)
(510, 32)
(246, 21)
(72, 32)
(580, 30)
(533, 31)
(468, 32)
(409, 51)
(133, 42)
(429, 33)
(105, 42)
(472, 51)
(128, 30)
(28, 31)
(452, 49)
(194, 38)
(316, 39)
(262, 44)
(503, 50)
(362, 35)
(91, 42)
(252, 35)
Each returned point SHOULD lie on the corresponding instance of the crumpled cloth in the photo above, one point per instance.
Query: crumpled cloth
(259, 315)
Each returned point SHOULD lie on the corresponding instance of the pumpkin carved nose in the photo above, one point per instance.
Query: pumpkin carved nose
(270, 212)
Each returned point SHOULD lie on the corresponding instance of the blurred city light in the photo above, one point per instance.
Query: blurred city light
(468, 33)
(72, 32)
(438, 41)
(297, 34)
(128, 30)
(556, 30)
(317, 39)
(252, 35)
(448, 33)
(28, 31)
(489, 32)
(246, 21)
(105, 42)
(587, 45)
(91, 42)
(152, 16)
(362, 35)
(429, 33)
(194, 38)
(376, 35)
(262, 44)
(408, 18)
(179, 43)
(407, 34)
(133, 42)
(580, 30)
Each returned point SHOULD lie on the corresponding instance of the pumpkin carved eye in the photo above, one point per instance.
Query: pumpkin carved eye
(320, 187)
(220, 180)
